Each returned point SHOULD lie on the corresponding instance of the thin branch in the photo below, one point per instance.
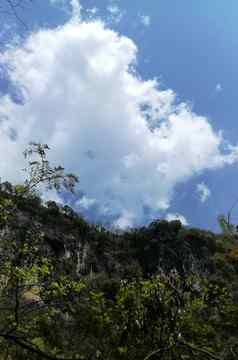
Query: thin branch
(30, 348)
(202, 351)
(230, 211)
(13, 9)
(156, 352)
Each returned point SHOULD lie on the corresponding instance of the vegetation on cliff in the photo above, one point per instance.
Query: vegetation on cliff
(72, 290)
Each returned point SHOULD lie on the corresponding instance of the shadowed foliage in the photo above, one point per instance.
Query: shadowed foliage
(73, 290)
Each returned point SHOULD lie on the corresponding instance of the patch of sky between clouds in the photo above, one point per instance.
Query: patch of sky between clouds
(130, 141)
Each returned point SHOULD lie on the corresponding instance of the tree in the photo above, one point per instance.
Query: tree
(26, 265)
(40, 172)
(50, 311)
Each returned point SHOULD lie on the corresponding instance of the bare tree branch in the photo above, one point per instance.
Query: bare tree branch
(13, 8)
(24, 345)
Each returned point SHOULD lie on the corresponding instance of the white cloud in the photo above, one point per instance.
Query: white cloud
(85, 203)
(203, 191)
(125, 220)
(145, 20)
(52, 196)
(171, 217)
(129, 141)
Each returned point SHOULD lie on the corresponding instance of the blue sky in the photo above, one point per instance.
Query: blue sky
(190, 47)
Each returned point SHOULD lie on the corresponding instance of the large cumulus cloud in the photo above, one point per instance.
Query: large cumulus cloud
(129, 141)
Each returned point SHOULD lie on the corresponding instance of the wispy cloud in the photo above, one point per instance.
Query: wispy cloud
(145, 20)
(218, 88)
(93, 11)
(85, 203)
(73, 7)
(115, 12)
(203, 191)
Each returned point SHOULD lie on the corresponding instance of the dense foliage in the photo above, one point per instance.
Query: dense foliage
(71, 290)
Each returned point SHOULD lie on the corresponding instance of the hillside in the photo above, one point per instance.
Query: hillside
(71, 290)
